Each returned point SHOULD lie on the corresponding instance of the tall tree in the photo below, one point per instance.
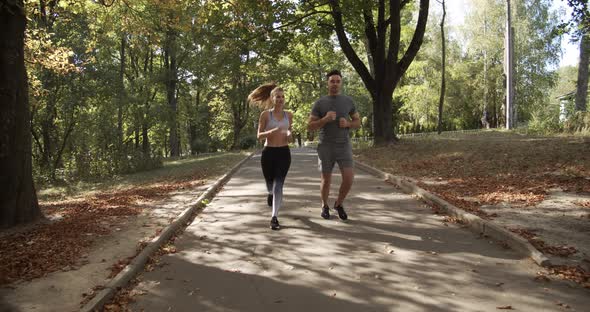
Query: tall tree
(582, 84)
(581, 24)
(483, 29)
(18, 200)
(509, 69)
(171, 67)
(389, 60)
(121, 96)
(536, 51)
(441, 100)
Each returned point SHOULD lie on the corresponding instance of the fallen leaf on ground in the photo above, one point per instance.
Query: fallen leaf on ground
(565, 305)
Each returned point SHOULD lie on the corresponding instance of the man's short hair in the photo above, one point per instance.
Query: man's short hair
(332, 73)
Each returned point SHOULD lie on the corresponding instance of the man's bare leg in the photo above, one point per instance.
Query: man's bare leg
(347, 178)
(325, 187)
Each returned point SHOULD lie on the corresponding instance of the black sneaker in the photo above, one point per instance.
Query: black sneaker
(326, 212)
(269, 200)
(341, 213)
(274, 223)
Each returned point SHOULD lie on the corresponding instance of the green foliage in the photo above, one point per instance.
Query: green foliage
(420, 89)
(563, 92)
(580, 19)
(579, 123)
(545, 121)
(302, 71)
(248, 142)
(475, 74)
(199, 146)
(94, 115)
(537, 51)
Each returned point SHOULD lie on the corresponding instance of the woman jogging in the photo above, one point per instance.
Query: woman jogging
(274, 126)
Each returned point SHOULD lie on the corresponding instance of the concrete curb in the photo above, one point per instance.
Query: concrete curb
(138, 263)
(475, 223)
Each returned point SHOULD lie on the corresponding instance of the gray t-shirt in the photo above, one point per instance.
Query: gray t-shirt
(344, 107)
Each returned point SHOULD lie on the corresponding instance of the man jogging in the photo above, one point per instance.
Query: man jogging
(334, 115)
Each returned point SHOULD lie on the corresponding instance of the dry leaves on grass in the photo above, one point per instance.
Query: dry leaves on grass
(491, 167)
(57, 245)
(567, 272)
(488, 191)
(527, 234)
(62, 243)
(449, 219)
(89, 296)
(563, 305)
(560, 250)
(120, 303)
(120, 265)
(125, 296)
(572, 273)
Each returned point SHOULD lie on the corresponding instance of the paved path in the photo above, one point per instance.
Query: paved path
(392, 255)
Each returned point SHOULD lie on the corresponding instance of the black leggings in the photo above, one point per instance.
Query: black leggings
(275, 163)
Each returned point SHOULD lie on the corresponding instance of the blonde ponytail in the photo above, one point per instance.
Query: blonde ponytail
(262, 96)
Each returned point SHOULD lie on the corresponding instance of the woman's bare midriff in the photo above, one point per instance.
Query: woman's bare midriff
(278, 141)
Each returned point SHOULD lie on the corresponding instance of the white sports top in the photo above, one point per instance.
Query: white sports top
(273, 123)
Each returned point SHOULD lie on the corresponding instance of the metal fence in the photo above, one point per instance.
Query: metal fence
(442, 133)
(368, 141)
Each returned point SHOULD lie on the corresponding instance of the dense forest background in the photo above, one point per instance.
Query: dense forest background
(116, 86)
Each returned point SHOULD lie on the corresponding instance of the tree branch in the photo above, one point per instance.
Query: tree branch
(403, 3)
(349, 52)
(416, 39)
(370, 31)
(290, 23)
(36, 139)
(394, 39)
(104, 2)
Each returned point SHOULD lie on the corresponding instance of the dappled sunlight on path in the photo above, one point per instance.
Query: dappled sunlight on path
(392, 255)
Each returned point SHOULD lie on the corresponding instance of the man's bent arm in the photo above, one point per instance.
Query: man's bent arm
(355, 123)
(315, 123)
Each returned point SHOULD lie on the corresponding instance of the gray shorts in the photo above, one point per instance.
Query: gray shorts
(329, 154)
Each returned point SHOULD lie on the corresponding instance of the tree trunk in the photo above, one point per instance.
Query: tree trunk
(236, 139)
(18, 200)
(239, 106)
(509, 70)
(48, 123)
(441, 101)
(582, 84)
(193, 135)
(484, 118)
(59, 153)
(46, 126)
(369, 57)
(136, 138)
(384, 48)
(240, 118)
(145, 142)
(121, 99)
(171, 81)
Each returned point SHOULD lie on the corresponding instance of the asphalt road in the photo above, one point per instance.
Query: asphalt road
(393, 254)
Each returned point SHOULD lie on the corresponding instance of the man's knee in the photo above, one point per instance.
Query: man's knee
(326, 177)
(347, 174)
